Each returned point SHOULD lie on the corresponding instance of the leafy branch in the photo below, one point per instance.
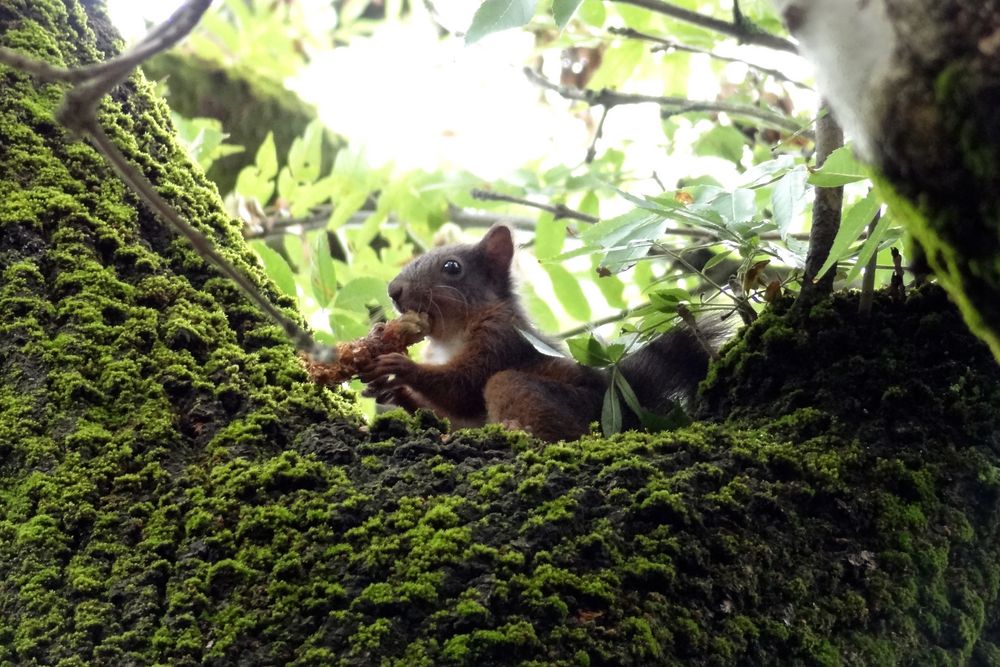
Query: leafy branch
(668, 45)
(558, 210)
(670, 105)
(744, 30)
(78, 113)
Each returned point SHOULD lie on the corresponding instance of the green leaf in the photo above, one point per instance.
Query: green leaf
(276, 267)
(637, 18)
(722, 141)
(618, 63)
(870, 246)
(611, 412)
(840, 168)
(305, 155)
(563, 10)
(568, 291)
(588, 350)
(256, 181)
(540, 344)
(734, 207)
(267, 157)
(322, 276)
(673, 420)
(590, 204)
(651, 421)
(851, 226)
(203, 139)
(592, 13)
(538, 310)
(287, 185)
(611, 287)
(631, 400)
(717, 259)
(496, 15)
(356, 295)
(347, 206)
(767, 170)
(789, 199)
(638, 225)
(348, 326)
(550, 234)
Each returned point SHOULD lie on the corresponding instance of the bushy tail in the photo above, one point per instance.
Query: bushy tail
(669, 368)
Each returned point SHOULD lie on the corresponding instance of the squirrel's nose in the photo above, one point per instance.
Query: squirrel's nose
(396, 291)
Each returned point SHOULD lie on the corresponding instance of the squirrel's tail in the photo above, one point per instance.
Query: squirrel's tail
(669, 368)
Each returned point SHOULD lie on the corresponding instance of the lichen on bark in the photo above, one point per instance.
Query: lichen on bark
(173, 491)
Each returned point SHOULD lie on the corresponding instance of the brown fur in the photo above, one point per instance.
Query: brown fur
(494, 373)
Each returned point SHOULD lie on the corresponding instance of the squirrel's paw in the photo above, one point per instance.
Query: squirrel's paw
(387, 370)
(395, 364)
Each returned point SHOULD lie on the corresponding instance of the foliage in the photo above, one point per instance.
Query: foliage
(203, 139)
(726, 236)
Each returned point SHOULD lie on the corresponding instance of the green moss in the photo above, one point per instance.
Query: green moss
(172, 491)
(958, 234)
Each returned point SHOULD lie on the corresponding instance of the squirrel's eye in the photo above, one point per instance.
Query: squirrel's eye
(451, 267)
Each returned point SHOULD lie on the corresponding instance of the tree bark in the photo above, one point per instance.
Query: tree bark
(826, 213)
(917, 84)
(172, 490)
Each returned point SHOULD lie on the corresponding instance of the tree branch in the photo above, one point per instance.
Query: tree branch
(670, 105)
(826, 211)
(667, 45)
(274, 227)
(78, 113)
(558, 210)
(598, 133)
(868, 282)
(470, 219)
(744, 31)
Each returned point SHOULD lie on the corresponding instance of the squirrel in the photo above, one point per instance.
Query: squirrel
(485, 369)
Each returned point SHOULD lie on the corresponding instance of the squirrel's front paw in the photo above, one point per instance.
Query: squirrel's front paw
(398, 365)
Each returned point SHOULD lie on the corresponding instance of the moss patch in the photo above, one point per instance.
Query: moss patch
(172, 491)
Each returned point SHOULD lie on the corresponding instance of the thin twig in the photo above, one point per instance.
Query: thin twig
(744, 31)
(670, 105)
(560, 211)
(584, 328)
(277, 225)
(592, 151)
(868, 282)
(741, 303)
(688, 318)
(78, 113)
(897, 284)
(667, 45)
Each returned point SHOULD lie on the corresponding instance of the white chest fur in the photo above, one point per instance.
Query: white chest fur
(443, 350)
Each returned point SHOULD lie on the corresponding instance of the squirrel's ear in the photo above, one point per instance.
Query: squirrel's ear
(498, 246)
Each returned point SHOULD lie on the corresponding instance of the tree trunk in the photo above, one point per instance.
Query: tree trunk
(917, 84)
(172, 491)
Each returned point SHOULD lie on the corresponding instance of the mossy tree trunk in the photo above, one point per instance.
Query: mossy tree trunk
(172, 491)
(917, 84)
